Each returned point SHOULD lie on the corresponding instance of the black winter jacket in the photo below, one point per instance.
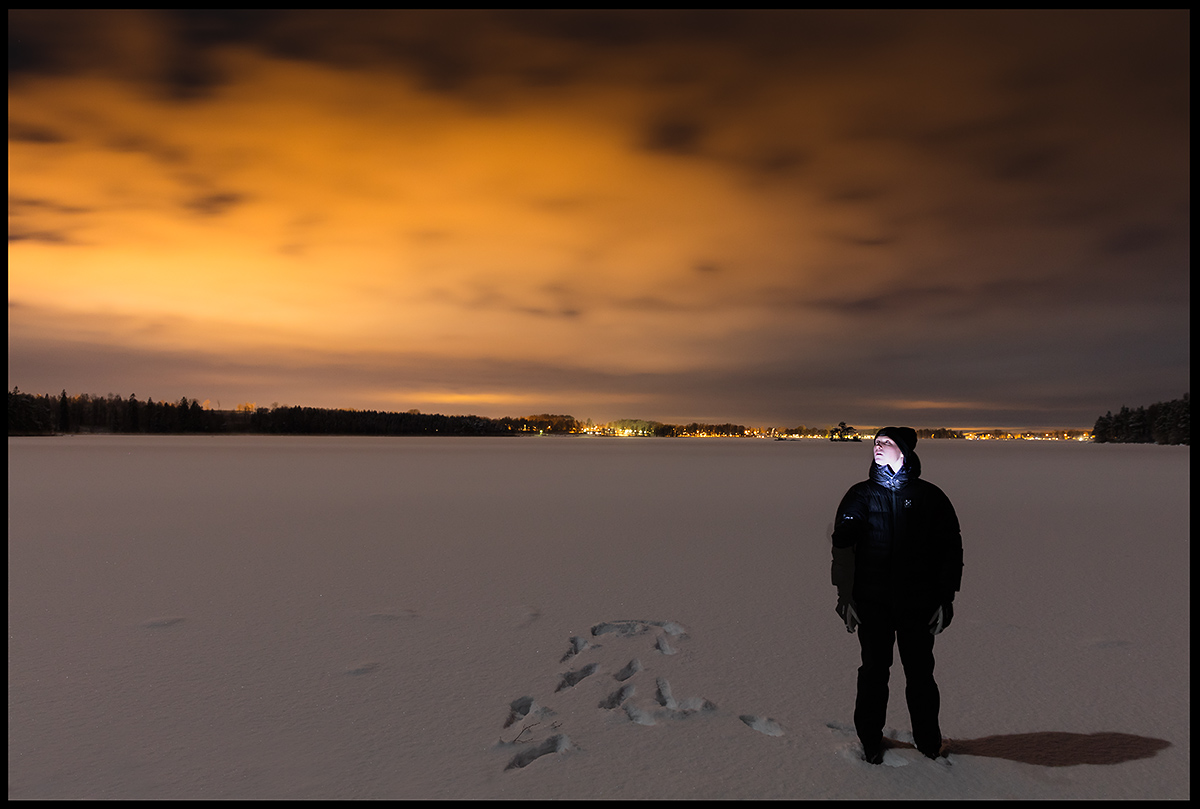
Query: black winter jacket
(897, 538)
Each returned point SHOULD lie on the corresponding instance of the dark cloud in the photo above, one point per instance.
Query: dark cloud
(1027, 162)
(27, 215)
(563, 205)
(1008, 145)
(214, 204)
(1038, 379)
(550, 301)
(858, 240)
(46, 43)
(143, 143)
(441, 67)
(777, 161)
(762, 37)
(675, 136)
(34, 133)
(1021, 304)
(649, 303)
(898, 303)
(568, 313)
(971, 133)
(852, 194)
(180, 65)
(594, 29)
(55, 237)
(190, 71)
(449, 51)
(20, 205)
(190, 77)
(99, 365)
(208, 28)
(1136, 238)
(431, 236)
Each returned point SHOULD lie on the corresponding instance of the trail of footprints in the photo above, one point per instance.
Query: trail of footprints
(632, 690)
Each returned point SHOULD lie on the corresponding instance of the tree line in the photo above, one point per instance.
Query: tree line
(38, 414)
(844, 431)
(30, 414)
(661, 430)
(1160, 423)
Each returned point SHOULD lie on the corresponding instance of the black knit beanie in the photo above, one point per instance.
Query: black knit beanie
(905, 438)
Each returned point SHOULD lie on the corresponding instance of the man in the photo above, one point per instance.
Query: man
(897, 562)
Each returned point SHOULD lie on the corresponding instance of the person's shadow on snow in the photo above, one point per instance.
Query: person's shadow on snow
(1056, 749)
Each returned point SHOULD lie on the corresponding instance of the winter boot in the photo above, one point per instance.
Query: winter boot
(938, 752)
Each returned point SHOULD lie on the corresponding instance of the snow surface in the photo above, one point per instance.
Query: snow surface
(229, 617)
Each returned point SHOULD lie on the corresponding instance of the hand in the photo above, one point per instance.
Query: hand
(941, 618)
(845, 609)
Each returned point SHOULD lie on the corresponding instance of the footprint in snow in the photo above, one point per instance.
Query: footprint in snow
(762, 724)
(614, 649)
(558, 743)
(572, 678)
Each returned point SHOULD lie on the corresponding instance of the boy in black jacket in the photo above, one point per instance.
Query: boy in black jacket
(897, 563)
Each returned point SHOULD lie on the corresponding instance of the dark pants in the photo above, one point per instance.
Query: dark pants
(882, 627)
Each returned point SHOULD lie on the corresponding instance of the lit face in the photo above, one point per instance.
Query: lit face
(888, 454)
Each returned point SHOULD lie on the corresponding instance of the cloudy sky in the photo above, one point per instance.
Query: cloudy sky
(939, 218)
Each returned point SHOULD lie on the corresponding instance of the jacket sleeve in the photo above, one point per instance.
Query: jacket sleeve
(849, 526)
(950, 552)
(842, 572)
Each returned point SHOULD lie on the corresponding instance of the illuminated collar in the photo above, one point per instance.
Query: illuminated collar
(884, 476)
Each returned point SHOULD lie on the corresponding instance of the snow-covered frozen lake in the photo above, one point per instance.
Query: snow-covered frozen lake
(270, 617)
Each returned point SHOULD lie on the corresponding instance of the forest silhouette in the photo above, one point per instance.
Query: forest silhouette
(41, 414)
